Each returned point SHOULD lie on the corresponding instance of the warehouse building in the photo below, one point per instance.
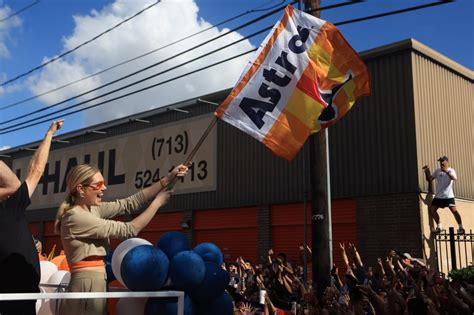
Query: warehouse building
(244, 199)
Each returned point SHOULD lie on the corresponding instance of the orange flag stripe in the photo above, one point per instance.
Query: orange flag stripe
(309, 87)
(305, 107)
(334, 45)
(287, 135)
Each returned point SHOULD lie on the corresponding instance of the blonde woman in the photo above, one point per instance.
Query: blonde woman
(83, 221)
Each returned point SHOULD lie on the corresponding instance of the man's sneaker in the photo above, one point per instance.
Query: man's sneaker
(461, 230)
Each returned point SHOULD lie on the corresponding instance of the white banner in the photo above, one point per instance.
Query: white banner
(132, 161)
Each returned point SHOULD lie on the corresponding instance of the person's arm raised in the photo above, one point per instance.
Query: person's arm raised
(145, 217)
(428, 176)
(39, 159)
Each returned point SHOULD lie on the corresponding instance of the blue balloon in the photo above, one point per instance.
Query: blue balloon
(187, 270)
(172, 243)
(209, 252)
(165, 306)
(214, 284)
(144, 268)
(108, 257)
(221, 306)
(108, 266)
(110, 273)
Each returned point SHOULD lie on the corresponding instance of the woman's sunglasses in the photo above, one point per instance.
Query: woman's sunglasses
(96, 186)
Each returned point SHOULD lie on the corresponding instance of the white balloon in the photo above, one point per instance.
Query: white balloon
(46, 308)
(128, 306)
(121, 251)
(60, 277)
(47, 269)
(40, 302)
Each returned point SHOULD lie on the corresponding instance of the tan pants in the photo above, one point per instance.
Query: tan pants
(85, 281)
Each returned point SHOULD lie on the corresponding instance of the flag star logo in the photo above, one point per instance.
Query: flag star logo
(330, 112)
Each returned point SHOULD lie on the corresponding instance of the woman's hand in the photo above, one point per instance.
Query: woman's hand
(179, 171)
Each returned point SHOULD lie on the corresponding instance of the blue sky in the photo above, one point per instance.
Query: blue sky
(51, 27)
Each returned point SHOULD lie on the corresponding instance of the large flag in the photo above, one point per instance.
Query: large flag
(304, 77)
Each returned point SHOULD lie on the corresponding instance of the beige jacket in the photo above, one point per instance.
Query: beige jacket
(87, 233)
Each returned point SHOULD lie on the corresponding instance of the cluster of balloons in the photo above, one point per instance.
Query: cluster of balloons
(172, 265)
(56, 279)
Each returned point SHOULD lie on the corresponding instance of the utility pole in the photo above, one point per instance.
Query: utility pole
(321, 199)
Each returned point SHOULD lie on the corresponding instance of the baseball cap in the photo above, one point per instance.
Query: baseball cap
(443, 158)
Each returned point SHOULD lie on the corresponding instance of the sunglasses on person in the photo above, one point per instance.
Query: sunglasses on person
(96, 186)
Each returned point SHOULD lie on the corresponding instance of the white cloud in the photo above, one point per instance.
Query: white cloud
(6, 27)
(164, 23)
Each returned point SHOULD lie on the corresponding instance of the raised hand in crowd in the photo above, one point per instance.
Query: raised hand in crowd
(377, 302)
(355, 255)
(398, 285)
(380, 265)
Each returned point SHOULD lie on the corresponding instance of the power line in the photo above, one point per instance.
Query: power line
(79, 46)
(8, 129)
(139, 81)
(131, 93)
(19, 11)
(159, 63)
(148, 67)
(376, 16)
(257, 9)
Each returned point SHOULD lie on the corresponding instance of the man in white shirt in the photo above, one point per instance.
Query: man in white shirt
(444, 197)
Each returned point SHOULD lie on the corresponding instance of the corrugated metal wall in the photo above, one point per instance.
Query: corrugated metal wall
(373, 149)
(444, 115)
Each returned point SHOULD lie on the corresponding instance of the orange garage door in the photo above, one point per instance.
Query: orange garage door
(287, 228)
(234, 230)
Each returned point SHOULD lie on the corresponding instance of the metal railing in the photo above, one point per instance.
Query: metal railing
(454, 250)
(97, 295)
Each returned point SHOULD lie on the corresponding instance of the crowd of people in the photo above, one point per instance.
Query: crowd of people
(396, 284)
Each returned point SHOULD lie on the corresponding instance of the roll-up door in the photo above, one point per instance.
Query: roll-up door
(234, 230)
(160, 224)
(287, 228)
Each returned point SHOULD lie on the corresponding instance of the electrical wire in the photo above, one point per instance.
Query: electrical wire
(139, 81)
(8, 129)
(19, 11)
(148, 67)
(376, 16)
(77, 47)
(142, 55)
(156, 64)
(134, 92)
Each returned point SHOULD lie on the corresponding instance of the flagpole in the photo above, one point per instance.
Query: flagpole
(199, 143)
(320, 196)
(195, 149)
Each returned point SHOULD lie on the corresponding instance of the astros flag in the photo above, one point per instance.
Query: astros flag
(304, 77)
